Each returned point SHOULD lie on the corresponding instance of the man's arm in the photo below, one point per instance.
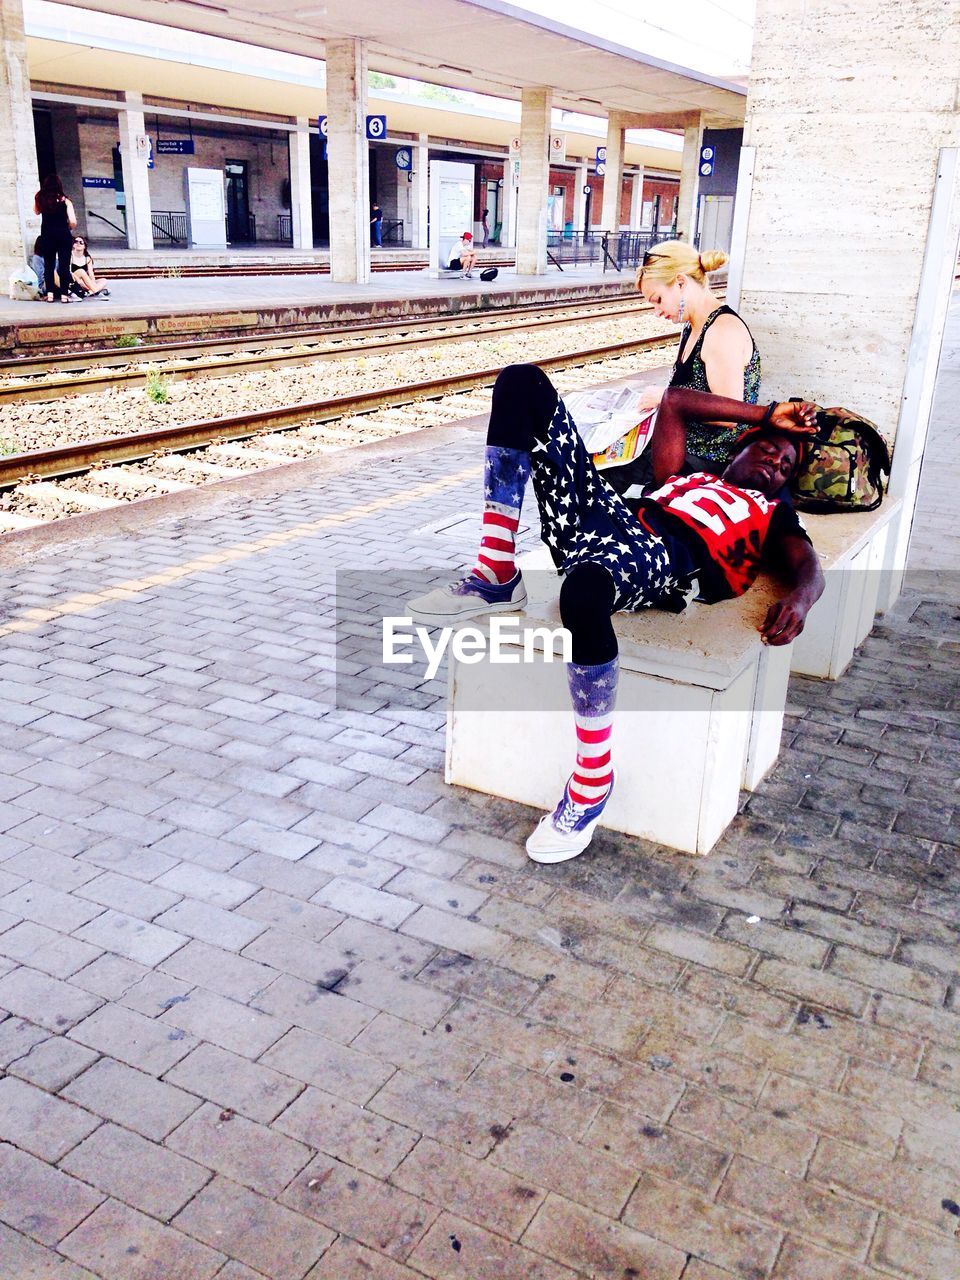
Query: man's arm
(680, 405)
(797, 563)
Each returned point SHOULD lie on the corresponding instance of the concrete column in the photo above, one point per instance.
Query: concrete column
(18, 150)
(349, 173)
(508, 231)
(636, 201)
(613, 177)
(581, 180)
(301, 198)
(136, 181)
(828, 235)
(689, 181)
(421, 193)
(534, 181)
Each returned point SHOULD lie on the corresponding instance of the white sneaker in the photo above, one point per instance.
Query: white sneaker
(470, 598)
(565, 833)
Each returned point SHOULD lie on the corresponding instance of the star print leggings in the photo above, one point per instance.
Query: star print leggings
(610, 560)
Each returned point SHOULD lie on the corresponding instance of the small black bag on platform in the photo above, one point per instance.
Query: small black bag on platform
(491, 273)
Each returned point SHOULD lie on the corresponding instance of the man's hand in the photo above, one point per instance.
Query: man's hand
(796, 417)
(785, 618)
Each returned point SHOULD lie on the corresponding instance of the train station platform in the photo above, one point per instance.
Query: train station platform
(281, 1004)
(222, 305)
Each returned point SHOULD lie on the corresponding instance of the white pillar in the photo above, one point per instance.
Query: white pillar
(508, 218)
(872, 259)
(636, 201)
(348, 169)
(613, 177)
(581, 179)
(421, 193)
(301, 197)
(136, 181)
(534, 181)
(689, 181)
(18, 151)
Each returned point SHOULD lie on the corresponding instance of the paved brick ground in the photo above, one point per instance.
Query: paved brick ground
(280, 1004)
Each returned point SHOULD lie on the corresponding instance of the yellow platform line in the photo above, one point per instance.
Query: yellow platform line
(32, 619)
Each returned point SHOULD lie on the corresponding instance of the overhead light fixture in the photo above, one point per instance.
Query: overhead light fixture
(445, 66)
(594, 102)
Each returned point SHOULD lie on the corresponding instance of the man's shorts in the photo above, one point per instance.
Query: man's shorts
(583, 521)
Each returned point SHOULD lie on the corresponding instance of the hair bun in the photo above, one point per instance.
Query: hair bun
(712, 260)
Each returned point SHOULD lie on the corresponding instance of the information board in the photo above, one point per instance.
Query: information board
(451, 207)
(206, 208)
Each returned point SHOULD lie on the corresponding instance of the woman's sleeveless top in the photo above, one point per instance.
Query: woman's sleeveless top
(712, 443)
(55, 225)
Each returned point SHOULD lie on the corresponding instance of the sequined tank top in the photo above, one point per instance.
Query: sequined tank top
(713, 443)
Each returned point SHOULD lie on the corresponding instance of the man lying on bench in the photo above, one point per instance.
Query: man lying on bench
(695, 537)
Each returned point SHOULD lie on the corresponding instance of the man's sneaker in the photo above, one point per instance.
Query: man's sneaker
(471, 598)
(567, 831)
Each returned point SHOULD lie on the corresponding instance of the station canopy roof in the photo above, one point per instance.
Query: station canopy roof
(483, 46)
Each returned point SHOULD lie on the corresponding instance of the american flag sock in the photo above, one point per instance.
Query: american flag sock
(593, 691)
(505, 473)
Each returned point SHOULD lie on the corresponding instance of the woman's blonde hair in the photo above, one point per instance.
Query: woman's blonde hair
(675, 258)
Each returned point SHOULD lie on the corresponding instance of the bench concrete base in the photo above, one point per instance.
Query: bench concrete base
(851, 548)
(699, 715)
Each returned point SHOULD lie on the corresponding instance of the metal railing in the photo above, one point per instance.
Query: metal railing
(171, 224)
(574, 247)
(393, 231)
(627, 248)
(122, 230)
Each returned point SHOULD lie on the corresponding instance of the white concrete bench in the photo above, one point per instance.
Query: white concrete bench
(701, 701)
(851, 548)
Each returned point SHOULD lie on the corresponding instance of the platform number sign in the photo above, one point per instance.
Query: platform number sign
(707, 160)
(601, 155)
(376, 128)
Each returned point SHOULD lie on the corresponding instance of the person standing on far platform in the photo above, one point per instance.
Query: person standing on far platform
(376, 226)
(486, 228)
(57, 220)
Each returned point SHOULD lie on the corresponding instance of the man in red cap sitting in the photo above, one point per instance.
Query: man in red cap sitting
(463, 256)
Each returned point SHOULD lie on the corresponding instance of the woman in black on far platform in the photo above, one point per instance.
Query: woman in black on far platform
(57, 221)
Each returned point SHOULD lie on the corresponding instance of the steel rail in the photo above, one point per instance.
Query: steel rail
(58, 388)
(26, 367)
(72, 459)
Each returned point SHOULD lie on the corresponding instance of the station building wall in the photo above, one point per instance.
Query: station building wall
(267, 160)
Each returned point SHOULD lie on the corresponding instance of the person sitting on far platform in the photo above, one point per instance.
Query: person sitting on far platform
(463, 256)
(696, 536)
(85, 283)
(36, 264)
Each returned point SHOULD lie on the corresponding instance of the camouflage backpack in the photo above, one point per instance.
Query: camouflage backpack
(844, 466)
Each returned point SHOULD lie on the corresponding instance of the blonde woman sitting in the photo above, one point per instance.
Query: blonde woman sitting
(717, 352)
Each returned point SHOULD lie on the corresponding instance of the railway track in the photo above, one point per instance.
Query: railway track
(98, 474)
(195, 359)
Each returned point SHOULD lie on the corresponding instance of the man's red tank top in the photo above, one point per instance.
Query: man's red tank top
(732, 523)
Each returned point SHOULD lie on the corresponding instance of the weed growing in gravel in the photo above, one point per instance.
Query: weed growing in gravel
(158, 388)
(172, 273)
(129, 340)
(8, 446)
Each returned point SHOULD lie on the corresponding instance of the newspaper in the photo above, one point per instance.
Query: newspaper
(613, 427)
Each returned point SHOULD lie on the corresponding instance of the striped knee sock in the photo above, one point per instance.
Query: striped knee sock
(505, 474)
(593, 691)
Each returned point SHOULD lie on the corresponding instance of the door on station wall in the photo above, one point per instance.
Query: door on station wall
(43, 133)
(319, 190)
(239, 224)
